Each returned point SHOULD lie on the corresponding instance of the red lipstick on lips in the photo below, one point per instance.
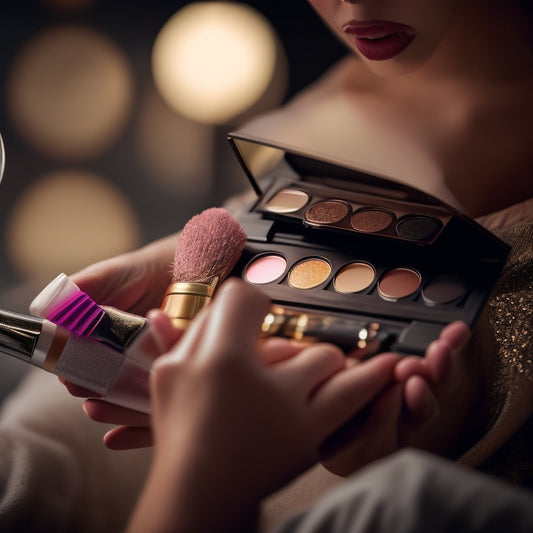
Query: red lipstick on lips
(379, 40)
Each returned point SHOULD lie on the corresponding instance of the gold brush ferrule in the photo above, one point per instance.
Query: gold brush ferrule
(183, 301)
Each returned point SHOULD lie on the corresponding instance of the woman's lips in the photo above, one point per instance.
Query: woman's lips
(379, 41)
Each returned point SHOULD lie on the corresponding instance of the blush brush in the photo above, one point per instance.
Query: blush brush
(208, 248)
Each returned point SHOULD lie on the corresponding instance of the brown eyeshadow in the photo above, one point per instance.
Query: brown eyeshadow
(327, 212)
(371, 220)
(399, 283)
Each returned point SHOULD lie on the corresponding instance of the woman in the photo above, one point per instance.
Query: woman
(437, 96)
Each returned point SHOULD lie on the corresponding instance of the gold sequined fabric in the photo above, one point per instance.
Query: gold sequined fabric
(510, 310)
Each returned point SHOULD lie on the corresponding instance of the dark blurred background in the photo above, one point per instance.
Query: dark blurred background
(99, 160)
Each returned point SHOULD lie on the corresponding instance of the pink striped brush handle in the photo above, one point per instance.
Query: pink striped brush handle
(78, 313)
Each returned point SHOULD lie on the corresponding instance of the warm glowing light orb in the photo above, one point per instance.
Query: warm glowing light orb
(67, 220)
(213, 60)
(70, 92)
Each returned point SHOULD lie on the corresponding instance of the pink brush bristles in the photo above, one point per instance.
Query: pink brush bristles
(79, 313)
(208, 247)
(65, 304)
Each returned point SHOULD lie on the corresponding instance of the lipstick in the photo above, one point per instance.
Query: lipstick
(379, 40)
(90, 364)
(361, 339)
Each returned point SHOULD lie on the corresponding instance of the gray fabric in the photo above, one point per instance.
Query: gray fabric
(415, 492)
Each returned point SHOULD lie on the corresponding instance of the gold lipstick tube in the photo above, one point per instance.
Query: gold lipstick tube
(350, 335)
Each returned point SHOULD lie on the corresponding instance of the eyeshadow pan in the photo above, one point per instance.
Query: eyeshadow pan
(309, 273)
(327, 212)
(399, 283)
(371, 220)
(443, 289)
(418, 227)
(265, 269)
(354, 277)
(287, 201)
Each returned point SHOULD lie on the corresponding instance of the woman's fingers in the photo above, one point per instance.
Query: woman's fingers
(164, 335)
(108, 413)
(128, 438)
(437, 364)
(309, 368)
(347, 393)
(236, 313)
(419, 399)
(77, 390)
(370, 435)
(275, 349)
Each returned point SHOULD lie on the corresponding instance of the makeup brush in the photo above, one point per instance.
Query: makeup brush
(208, 248)
(65, 304)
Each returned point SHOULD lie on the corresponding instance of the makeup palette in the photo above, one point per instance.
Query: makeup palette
(334, 240)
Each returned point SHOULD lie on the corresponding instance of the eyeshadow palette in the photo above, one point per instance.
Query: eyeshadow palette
(334, 240)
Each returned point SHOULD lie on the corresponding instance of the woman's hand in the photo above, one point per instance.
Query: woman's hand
(235, 418)
(135, 281)
(427, 409)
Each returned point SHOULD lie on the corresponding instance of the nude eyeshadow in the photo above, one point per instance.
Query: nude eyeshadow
(354, 277)
(287, 201)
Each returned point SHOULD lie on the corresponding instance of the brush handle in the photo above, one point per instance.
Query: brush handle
(183, 301)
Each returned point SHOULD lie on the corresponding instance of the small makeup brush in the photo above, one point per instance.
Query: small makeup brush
(65, 304)
(208, 248)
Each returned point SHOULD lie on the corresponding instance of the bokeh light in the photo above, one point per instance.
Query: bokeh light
(70, 92)
(213, 60)
(67, 220)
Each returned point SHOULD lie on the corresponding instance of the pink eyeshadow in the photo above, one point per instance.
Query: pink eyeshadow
(265, 269)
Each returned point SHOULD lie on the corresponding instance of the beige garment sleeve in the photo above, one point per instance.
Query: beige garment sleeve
(55, 473)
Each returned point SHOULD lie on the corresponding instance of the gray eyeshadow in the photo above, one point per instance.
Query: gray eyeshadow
(443, 290)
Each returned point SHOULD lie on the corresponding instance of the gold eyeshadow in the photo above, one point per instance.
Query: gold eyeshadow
(309, 273)
(327, 238)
